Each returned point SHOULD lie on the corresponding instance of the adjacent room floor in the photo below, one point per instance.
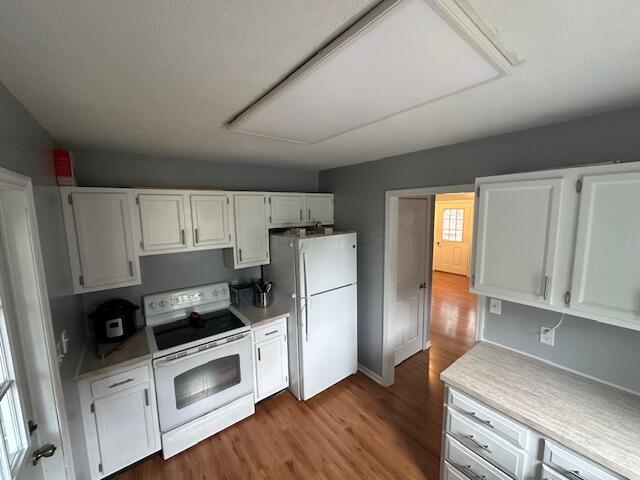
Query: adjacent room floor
(356, 429)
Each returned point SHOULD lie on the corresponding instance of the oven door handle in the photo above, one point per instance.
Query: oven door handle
(163, 362)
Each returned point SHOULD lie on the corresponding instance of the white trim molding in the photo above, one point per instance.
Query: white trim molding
(370, 373)
(391, 201)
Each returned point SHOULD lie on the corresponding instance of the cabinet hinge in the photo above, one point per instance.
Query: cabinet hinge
(229, 237)
(100, 467)
(269, 218)
(70, 199)
(264, 200)
(137, 199)
(141, 244)
(473, 280)
(81, 280)
(93, 407)
(269, 200)
(478, 192)
(227, 200)
(567, 298)
(286, 379)
(579, 186)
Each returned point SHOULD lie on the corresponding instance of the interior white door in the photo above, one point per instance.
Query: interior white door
(319, 209)
(271, 366)
(327, 262)
(329, 339)
(252, 233)
(162, 221)
(125, 426)
(30, 386)
(606, 278)
(105, 241)
(411, 277)
(452, 235)
(210, 218)
(517, 236)
(286, 210)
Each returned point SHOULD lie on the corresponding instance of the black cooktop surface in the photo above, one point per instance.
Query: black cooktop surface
(195, 327)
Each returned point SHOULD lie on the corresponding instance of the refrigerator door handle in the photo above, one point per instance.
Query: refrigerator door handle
(306, 298)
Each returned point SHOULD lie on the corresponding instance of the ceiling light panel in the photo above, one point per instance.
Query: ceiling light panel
(402, 55)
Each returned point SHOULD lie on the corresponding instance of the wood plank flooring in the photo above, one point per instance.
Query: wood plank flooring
(356, 429)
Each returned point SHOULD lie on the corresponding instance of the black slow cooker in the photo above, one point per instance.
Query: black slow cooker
(114, 320)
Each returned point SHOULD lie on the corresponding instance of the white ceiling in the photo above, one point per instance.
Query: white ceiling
(163, 77)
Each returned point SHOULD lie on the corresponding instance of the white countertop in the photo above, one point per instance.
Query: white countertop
(255, 315)
(595, 420)
(134, 350)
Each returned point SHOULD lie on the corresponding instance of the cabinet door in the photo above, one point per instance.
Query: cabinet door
(162, 222)
(517, 236)
(104, 240)
(252, 235)
(210, 218)
(286, 210)
(272, 371)
(319, 208)
(127, 427)
(606, 278)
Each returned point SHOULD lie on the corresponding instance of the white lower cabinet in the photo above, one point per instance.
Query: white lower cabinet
(479, 442)
(120, 418)
(271, 360)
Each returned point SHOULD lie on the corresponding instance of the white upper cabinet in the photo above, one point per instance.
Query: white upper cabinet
(251, 230)
(100, 239)
(162, 222)
(211, 220)
(319, 208)
(516, 241)
(286, 210)
(606, 275)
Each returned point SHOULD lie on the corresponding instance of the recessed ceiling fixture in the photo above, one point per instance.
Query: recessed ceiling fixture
(403, 54)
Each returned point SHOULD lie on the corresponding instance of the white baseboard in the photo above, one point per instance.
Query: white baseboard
(371, 374)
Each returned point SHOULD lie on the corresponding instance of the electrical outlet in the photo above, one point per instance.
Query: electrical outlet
(547, 336)
(495, 306)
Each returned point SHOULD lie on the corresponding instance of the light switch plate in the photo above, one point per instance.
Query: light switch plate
(495, 306)
(547, 336)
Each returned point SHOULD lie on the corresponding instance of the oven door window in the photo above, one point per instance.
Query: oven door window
(206, 380)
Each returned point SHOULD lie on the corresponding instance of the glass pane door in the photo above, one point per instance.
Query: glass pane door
(206, 380)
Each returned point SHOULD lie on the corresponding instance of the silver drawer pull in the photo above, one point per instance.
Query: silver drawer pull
(479, 445)
(576, 474)
(271, 333)
(486, 422)
(117, 384)
(468, 469)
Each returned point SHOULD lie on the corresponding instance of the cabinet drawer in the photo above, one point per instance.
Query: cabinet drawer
(485, 443)
(469, 463)
(488, 417)
(450, 472)
(573, 466)
(270, 331)
(120, 381)
(548, 473)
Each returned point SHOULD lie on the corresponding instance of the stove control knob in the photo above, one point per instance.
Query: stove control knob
(224, 291)
(152, 305)
(215, 293)
(162, 303)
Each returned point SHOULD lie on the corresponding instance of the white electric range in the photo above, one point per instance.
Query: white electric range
(202, 364)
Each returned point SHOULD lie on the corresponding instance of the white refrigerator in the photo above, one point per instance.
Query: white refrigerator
(315, 278)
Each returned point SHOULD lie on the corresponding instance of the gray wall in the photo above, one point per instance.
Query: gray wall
(25, 147)
(359, 199)
(111, 169)
(604, 352)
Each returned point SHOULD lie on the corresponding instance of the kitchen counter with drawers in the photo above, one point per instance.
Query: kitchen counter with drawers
(590, 418)
(254, 315)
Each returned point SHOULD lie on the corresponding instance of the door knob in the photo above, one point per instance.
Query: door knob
(46, 451)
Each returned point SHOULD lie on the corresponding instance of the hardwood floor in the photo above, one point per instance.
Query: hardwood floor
(356, 429)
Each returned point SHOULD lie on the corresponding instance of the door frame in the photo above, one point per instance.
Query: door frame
(391, 201)
(44, 321)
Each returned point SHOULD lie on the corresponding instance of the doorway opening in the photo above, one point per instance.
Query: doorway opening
(427, 303)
